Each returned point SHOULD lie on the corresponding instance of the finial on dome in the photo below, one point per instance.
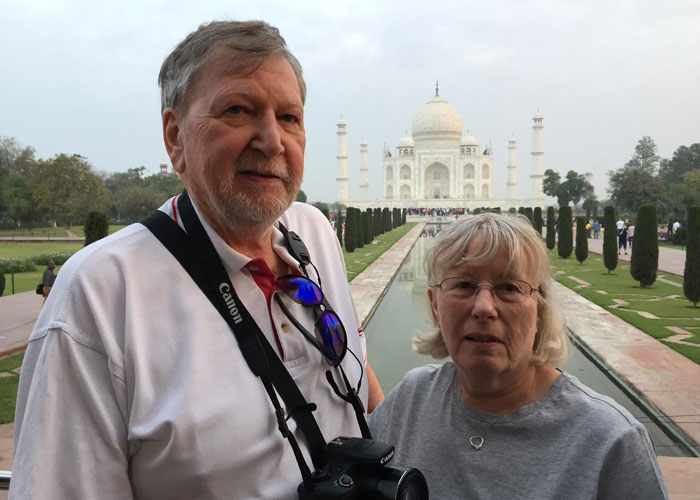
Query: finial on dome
(436, 89)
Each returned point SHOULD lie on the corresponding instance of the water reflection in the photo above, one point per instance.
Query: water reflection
(404, 311)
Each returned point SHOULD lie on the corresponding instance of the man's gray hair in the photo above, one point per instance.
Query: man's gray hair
(514, 235)
(252, 42)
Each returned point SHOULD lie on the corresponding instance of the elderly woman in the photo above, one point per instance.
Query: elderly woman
(498, 420)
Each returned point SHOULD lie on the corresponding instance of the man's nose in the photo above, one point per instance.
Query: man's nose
(267, 137)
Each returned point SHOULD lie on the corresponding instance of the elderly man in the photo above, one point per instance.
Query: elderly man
(133, 385)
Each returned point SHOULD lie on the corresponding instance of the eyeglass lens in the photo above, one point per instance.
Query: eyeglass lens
(329, 330)
(507, 290)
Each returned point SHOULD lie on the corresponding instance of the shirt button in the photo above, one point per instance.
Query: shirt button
(285, 327)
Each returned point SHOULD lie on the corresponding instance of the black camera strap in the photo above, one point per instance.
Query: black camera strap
(197, 255)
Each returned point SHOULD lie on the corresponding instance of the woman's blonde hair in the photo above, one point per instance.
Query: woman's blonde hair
(514, 235)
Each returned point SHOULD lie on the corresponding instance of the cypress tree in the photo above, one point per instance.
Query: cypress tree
(357, 224)
(350, 243)
(609, 239)
(370, 217)
(528, 213)
(365, 228)
(565, 245)
(581, 240)
(96, 227)
(386, 220)
(377, 219)
(339, 227)
(2, 283)
(645, 251)
(551, 233)
(538, 222)
(521, 210)
(395, 218)
(403, 216)
(691, 274)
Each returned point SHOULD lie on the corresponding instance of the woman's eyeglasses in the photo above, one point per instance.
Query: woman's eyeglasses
(510, 291)
(330, 337)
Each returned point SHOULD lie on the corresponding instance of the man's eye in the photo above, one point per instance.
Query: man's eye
(289, 118)
(235, 110)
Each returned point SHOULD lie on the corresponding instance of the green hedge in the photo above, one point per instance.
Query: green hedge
(551, 232)
(581, 240)
(645, 251)
(565, 244)
(691, 274)
(609, 239)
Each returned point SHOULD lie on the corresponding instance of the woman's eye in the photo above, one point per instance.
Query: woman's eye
(465, 285)
(509, 287)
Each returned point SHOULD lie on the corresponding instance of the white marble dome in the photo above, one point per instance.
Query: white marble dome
(437, 122)
(469, 140)
(407, 142)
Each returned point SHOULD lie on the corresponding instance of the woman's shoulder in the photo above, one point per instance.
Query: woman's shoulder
(428, 375)
(420, 383)
(592, 406)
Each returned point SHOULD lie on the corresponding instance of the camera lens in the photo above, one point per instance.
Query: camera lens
(395, 483)
(412, 486)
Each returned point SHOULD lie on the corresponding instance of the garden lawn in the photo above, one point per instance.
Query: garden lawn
(113, 228)
(11, 250)
(54, 232)
(652, 309)
(357, 261)
(25, 281)
(9, 378)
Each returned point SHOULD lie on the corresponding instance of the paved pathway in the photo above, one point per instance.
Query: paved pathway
(671, 260)
(18, 313)
(661, 374)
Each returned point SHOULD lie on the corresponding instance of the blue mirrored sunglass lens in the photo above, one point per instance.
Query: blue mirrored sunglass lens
(300, 289)
(332, 336)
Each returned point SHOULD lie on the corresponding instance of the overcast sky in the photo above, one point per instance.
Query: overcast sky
(80, 77)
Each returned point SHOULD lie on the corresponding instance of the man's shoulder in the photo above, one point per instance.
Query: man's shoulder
(307, 221)
(123, 245)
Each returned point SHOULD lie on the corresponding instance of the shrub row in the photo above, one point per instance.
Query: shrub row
(29, 264)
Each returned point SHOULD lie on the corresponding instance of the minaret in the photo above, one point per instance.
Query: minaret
(537, 158)
(364, 170)
(342, 163)
(511, 169)
(163, 168)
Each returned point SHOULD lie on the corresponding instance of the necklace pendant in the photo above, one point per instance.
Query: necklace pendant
(477, 442)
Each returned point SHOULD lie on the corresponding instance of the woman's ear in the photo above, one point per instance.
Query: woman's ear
(172, 138)
(432, 298)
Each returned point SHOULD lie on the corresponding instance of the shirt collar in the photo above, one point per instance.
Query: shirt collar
(233, 261)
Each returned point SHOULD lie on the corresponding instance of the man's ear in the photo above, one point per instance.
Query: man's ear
(172, 125)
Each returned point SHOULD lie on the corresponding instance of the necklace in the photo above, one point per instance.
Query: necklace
(477, 441)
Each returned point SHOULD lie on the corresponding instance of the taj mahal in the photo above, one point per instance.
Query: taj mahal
(436, 166)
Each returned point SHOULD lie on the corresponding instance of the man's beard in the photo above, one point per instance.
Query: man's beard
(235, 205)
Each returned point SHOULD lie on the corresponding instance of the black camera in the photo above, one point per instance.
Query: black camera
(357, 470)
